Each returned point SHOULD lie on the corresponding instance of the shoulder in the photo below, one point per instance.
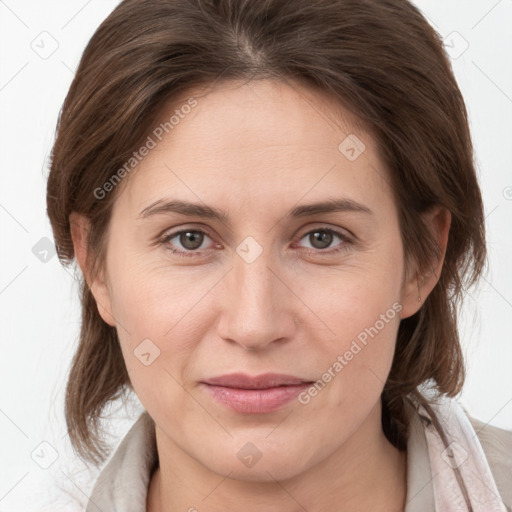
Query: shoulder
(497, 446)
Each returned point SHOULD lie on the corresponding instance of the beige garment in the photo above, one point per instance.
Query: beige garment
(123, 483)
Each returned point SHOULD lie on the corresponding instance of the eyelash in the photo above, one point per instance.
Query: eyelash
(195, 253)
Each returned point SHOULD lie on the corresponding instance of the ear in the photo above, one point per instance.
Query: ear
(420, 282)
(79, 227)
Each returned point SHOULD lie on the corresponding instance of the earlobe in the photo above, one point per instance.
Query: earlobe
(79, 228)
(421, 282)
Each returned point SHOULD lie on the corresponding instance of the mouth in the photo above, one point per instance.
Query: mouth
(258, 394)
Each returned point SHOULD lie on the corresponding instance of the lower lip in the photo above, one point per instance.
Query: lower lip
(255, 401)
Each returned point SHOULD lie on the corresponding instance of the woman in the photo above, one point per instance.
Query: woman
(275, 210)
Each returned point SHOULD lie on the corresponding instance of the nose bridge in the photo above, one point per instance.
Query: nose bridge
(256, 311)
(254, 283)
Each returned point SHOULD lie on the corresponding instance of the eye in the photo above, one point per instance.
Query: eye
(190, 240)
(322, 238)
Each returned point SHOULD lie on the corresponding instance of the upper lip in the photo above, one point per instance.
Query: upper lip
(263, 381)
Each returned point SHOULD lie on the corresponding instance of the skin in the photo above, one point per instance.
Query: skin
(257, 150)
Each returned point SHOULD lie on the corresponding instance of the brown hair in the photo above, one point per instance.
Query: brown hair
(379, 58)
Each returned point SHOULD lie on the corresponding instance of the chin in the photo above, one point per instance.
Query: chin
(265, 464)
(263, 473)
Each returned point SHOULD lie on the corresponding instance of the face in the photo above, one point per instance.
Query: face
(312, 295)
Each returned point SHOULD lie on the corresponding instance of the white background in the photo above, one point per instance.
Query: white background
(38, 300)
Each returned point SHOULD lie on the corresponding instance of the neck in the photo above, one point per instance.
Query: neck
(366, 473)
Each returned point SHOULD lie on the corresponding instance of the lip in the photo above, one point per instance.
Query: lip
(257, 394)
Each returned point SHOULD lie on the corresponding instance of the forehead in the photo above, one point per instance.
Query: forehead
(257, 141)
(266, 114)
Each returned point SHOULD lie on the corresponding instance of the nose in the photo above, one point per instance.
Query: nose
(258, 308)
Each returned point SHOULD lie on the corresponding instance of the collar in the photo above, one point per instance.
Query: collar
(123, 483)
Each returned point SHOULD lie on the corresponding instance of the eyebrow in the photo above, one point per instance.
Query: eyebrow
(201, 210)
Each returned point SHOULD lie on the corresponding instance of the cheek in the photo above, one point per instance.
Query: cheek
(161, 314)
(361, 308)
(154, 297)
(156, 334)
(356, 297)
(354, 368)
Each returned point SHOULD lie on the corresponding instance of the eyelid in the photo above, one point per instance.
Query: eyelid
(173, 232)
(344, 232)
